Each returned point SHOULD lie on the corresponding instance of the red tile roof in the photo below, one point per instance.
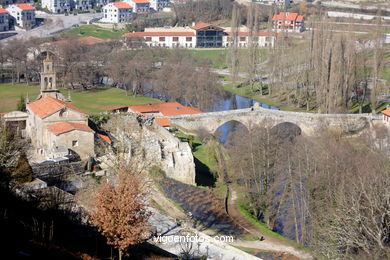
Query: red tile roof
(122, 5)
(25, 7)
(2, 114)
(3, 11)
(47, 106)
(105, 138)
(163, 121)
(300, 18)
(140, 1)
(64, 127)
(202, 25)
(166, 109)
(88, 40)
(283, 16)
(144, 34)
(386, 112)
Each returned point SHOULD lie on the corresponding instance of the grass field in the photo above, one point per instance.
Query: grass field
(220, 58)
(91, 101)
(96, 31)
(264, 229)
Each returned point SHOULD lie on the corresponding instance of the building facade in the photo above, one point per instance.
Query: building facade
(22, 15)
(54, 125)
(57, 6)
(117, 12)
(198, 36)
(83, 4)
(4, 20)
(290, 22)
(159, 5)
(139, 6)
(281, 3)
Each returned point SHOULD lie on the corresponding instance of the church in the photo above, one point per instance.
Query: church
(55, 127)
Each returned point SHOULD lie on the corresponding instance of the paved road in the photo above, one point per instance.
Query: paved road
(207, 245)
(54, 23)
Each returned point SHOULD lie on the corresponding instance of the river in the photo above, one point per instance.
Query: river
(231, 102)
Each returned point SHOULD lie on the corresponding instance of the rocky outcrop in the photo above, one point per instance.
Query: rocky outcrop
(147, 142)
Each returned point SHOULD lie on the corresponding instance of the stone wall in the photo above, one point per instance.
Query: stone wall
(310, 123)
(153, 146)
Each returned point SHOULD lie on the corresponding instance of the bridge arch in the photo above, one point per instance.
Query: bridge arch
(223, 130)
(286, 130)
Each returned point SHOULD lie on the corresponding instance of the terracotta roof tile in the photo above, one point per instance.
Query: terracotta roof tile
(105, 138)
(145, 34)
(202, 25)
(25, 7)
(386, 112)
(2, 114)
(283, 16)
(140, 1)
(163, 121)
(122, 5)
(3, 11)
(47, 106)
(64, 127)
(166, 109)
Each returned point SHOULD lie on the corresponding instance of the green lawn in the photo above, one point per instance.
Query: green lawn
(217, 57)
(96, 31)
(264, 229)
(220, 58)
(91, 101)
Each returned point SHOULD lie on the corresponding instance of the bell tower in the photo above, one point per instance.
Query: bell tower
(48, 77)
(48, 81)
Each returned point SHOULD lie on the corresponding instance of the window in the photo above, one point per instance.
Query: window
(242, 39)
(161, 39)
(148, 39)
(175, 39)
(189, 39)
(75, 143)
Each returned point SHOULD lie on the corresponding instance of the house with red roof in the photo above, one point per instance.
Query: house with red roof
(386, 116)
(117, 12)
(200, 35)
(159, 110)
(22, 15)
(4, 20)
(290, 22)
(53, 124)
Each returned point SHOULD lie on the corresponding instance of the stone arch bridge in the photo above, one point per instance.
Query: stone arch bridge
(309, 123)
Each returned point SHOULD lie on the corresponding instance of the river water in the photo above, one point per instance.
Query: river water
(231, 102)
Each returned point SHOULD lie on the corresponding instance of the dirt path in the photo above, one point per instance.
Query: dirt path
(269, 243)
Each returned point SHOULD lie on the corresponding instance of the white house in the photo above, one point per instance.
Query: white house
(4, 20)
(386, 116)
(198, 36)
(22, 15)
(140, 6)
(165, 37)
(291, 22)
(159, 5)
(83, 4)
(117, 12)
(57, 6)
(261, 39)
